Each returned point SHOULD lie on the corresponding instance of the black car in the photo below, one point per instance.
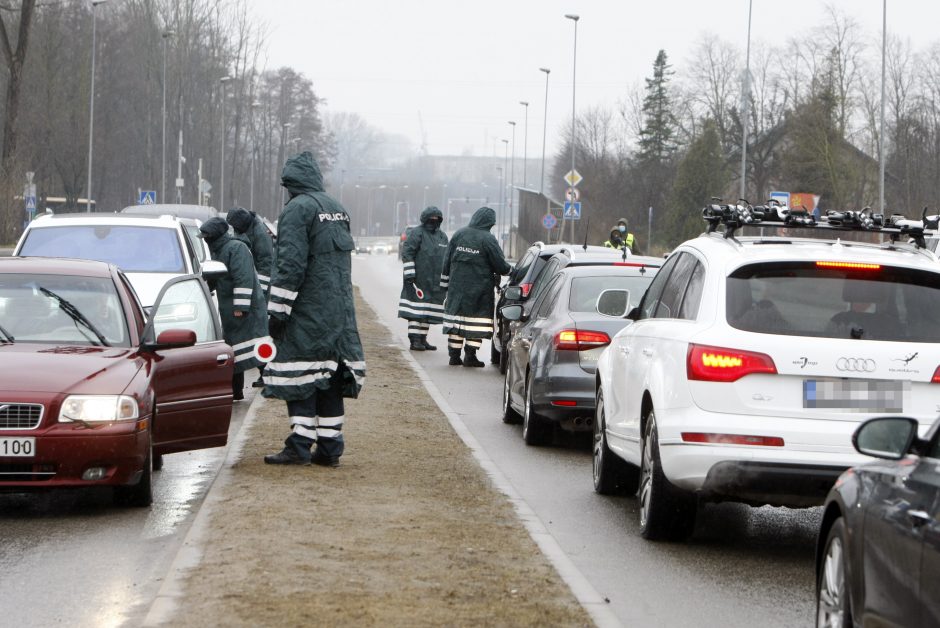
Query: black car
(523, 277)
(554, 349)
(878, 553)
(566, 256)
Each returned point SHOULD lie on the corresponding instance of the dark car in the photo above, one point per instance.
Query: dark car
(552, 357)
(878, 553)
(564, 256)
(91, 392)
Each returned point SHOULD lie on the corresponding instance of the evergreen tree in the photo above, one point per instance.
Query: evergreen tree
(658, 135)
(701, 174)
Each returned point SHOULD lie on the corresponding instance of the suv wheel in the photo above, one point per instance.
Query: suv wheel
(832, 593)
(666, 512)
(611, 474)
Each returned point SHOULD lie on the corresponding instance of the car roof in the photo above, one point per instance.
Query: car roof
(103, 218)
(603, 270)
(734, 253)
(201, 212)
(603, 255)
(55, 266)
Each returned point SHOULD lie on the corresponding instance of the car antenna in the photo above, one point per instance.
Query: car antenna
(587, 229)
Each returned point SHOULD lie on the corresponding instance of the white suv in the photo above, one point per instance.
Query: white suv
(751, 362)
(150, 250)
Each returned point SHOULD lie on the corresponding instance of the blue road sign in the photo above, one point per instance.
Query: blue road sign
(31, 203)
(147, 197)
(549, 221)
(572, 210)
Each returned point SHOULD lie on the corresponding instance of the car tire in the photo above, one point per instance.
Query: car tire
(139, 495)
(536, 430)
(666, 512)
(833, 607)
(494, 354)
(612, 475)
(510, 416)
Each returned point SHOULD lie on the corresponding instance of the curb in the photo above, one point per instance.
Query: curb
(164, 605)
(585, 593)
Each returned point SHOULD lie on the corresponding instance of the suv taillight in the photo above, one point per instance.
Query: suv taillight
(718, 364)
(936, 376)
(526, 288)
(580, 340)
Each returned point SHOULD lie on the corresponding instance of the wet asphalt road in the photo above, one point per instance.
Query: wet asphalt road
(742, 566)
(71, 558)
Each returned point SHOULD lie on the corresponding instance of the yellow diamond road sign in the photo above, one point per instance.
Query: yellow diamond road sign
(573, 178)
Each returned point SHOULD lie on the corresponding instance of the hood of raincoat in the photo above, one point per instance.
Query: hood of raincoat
(432, 218)
(211, 229)
(302, 174)
(615, 232)
(240, 219)
(483, 218)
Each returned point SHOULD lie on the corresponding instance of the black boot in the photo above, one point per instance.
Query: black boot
(416, 344)
(427, 345)
(470, 358)
(454, 357)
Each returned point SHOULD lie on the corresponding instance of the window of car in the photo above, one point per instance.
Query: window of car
(185, 305)
(550, 297)
(521, 267)
(543, 278)
(651, 298)
(693, 293)
(54, 308)
(586, 290)
(195, 244)
(804, 299)
(674, 288)
(130, 248)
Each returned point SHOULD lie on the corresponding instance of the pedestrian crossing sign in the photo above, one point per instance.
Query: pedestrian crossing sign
(147, 197)
(572, 210)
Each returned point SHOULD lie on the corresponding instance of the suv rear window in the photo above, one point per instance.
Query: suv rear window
(585, 290)
(130, 248)
(802, 299)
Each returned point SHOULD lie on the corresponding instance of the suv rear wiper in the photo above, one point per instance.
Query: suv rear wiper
(76, 314)
(5, 335)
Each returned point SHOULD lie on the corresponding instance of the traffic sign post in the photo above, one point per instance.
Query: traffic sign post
(572, 210)
(29, 198)
(147, 197)
(573, 178)
(549, 221)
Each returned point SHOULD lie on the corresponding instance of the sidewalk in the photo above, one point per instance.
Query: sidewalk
(409, 531)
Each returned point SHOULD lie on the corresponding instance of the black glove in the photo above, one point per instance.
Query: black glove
(276, 327)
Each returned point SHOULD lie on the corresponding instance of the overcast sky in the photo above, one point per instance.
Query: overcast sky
(464, 66)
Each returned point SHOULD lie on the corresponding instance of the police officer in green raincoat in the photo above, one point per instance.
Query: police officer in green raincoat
(312, 319)
(422, 298)
(241, 300)
(250, 230)
(472, 267)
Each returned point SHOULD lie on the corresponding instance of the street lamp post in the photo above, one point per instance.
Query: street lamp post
(281, 151)
(574, 70)
(254, 149)
(881, 123)
(166, 35)
(224, 81)
(746, 102)
(503, 188)
(445, 207)
(91, 98)
(512, 184)
(525, 142)
(544, 130)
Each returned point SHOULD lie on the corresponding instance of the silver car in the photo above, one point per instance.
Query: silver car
(556, 341)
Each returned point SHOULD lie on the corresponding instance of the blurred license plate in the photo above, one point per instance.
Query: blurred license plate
(858, 395)
(17, 447)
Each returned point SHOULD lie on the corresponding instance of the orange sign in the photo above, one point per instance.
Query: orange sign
(800, 200)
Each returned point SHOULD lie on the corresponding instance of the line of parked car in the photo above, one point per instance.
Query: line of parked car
(111, 350)
(764, 370)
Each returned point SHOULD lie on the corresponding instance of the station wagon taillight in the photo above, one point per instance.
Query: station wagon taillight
(718, 364)
(580, 340)
(526, 288)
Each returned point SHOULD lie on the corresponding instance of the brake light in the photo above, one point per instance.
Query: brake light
(526, 287)
(848, 265)
(580, 340)
(717, 364)
(732, 439)
(634, 264)
(565, 403)
(936, 376)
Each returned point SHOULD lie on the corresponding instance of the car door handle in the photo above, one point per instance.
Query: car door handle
(918, 517)
(222, 358)
(648, 352)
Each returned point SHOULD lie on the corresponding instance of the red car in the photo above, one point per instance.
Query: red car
(92, 392)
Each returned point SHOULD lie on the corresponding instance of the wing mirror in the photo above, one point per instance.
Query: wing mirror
(513, 293)
(213, 269)
(513, 313)
(613, 302)
(886, 437)
(172, 339)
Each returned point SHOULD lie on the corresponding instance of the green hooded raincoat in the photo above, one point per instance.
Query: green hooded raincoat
(311, 289)
(423, 257)
(472, 268)
(250, 230)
